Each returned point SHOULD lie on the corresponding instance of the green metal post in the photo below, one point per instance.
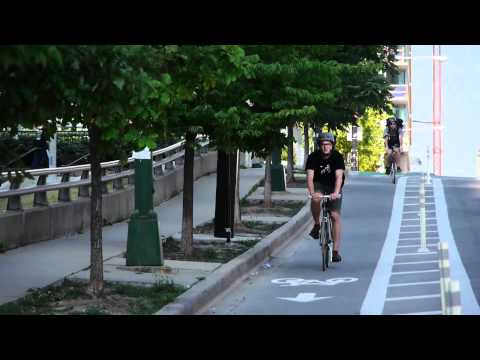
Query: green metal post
(143, 245)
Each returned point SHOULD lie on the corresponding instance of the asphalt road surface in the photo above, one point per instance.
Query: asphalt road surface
(383, 271)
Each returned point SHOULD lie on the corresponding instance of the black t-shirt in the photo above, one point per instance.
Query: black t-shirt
(324, 169)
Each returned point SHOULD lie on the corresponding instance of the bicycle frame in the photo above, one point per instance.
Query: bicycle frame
(326, 239)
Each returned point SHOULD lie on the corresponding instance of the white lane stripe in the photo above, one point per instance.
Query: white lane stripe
(430, 238)
(421, 253)
(435, 312)
(417, 197)
(416, 262)
(417, 297)
(415, 246)
(457, 270)
(417, 218)
(418, 211)
(377, 290)
(414, 272)
(417, 203)
(413, 226)
(418, 232)
(415, 283)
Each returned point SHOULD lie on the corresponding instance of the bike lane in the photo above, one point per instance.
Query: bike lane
(293, 282)
(462, 196)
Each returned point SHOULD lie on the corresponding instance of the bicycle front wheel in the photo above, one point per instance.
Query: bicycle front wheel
(324, 244)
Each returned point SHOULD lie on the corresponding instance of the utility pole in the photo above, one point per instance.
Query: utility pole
(354, 148)
(437, 112)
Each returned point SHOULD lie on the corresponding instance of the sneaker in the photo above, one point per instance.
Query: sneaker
(336, 256)
(315, 233)
(387, 171)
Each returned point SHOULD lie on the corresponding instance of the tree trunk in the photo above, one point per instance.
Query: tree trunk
(307, 144)
(290, 176)
(238, 216)
(187, 218)
(96, 223)
(268, 183)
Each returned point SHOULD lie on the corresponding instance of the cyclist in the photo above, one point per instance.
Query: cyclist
(325, 175)
(393, 136)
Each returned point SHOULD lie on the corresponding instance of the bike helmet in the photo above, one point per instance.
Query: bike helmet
(391, 120)
(326, 137)
(395, 120)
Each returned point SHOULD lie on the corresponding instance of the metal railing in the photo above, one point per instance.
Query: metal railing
(164, 161)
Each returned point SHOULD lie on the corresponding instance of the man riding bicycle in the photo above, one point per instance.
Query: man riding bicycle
(393, 136)
(325, 175)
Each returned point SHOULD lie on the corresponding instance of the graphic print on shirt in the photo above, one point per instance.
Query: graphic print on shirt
(325, 169)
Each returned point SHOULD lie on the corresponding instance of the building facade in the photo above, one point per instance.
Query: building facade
(401, 90)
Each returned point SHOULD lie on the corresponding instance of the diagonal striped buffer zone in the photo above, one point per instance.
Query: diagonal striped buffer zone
(414, 284)
(406, 280)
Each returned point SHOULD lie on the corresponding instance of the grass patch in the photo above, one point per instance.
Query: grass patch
(72, 298)
(219, 253)
(257, 225)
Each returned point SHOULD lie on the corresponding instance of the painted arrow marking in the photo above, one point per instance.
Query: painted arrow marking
(305, 298)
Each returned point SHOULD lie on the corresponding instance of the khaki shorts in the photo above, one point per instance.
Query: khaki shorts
(335, 205)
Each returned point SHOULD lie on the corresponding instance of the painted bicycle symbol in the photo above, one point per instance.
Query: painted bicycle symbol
(304, 282)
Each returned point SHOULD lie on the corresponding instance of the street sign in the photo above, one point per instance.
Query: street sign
(358, 136)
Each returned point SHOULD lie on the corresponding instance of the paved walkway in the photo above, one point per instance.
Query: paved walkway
(43, 263)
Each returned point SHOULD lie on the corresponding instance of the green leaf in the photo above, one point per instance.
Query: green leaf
(119, 83)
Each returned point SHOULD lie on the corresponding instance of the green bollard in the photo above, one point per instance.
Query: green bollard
(143, 244)
(278, 172)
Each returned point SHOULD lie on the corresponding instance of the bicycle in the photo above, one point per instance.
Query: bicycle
(393, 167)
(326, 238)
(393, 172)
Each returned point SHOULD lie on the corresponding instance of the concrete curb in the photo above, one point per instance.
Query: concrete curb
(196, 298)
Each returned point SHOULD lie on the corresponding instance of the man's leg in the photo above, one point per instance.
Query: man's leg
(336, 229)
(315, 209)
(396, 155)
(389, 161)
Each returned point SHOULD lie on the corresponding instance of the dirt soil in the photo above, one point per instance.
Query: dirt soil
(73, 298)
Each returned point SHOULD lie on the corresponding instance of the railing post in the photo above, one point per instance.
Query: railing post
(104, 183)
(84, 190)
(158, 170)
(118, 183)
(64, 194)
(14, 203)
(131, 178)
(40, 198)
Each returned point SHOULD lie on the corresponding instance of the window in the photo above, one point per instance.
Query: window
(401, 78)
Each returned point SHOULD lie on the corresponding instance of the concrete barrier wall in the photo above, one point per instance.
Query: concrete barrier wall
(19, 228)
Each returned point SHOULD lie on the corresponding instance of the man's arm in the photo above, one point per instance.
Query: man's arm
(310, 186)
(338, 182)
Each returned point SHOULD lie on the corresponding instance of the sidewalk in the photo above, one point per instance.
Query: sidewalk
(43, 263)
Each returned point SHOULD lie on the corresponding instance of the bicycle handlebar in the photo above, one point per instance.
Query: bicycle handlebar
(329, 196)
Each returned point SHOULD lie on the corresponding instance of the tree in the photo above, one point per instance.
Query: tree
(110, 91)
(371, 148)
(106, 89)
(203, 78)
